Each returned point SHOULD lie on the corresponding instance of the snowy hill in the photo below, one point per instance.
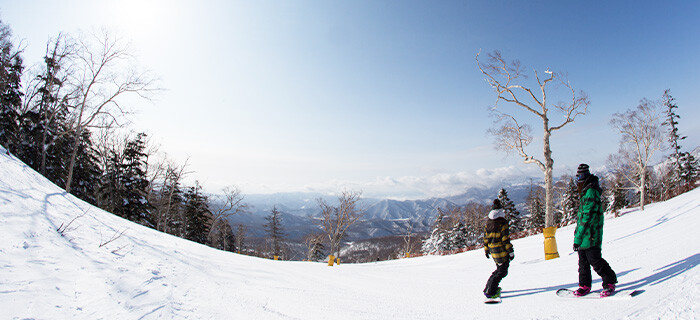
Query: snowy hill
(144, 274)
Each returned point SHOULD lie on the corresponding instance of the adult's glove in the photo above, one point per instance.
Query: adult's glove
(576, 247)
(511, 256)
(488, 256)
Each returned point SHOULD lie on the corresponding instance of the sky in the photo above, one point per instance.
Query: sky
(383, 97)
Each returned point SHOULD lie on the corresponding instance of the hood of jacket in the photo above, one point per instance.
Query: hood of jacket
(497, 213)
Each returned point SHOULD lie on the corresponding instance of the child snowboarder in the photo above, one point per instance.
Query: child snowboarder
(497, 245)
(589, 236)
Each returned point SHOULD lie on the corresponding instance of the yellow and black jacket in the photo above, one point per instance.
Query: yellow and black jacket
(497, 238)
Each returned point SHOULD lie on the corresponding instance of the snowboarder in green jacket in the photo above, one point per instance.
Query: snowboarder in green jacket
(589, 235)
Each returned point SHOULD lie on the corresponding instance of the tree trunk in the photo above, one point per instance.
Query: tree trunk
(642, 193)
(548, 177)
(73, 155)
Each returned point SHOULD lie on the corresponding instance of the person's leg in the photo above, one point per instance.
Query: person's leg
(601, 267)
(584, 269)
(495, 279)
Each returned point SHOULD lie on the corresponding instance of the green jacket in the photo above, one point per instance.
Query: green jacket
(589, 227)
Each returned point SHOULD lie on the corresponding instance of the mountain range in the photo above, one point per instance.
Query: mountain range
(382, 217)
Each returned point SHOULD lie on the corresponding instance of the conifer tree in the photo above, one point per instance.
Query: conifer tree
(11, 69)
(569, 203)
(173, 221)
(136, 207)
(197, 213)
(457, 237)
(124, 184)
(535, 206)
(432, 244)
(673, 138)
(315, 248)
(512, 215)
(87, 171)
(275, 230)
(223, 238)
(619, 195)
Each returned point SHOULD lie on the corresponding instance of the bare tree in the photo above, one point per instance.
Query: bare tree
(408, 237)
(103, 77)
(508, 79)
(641, 138)
(231, 203)
(335, 221)
(166, 176)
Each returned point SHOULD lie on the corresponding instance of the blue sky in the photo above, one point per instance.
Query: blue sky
(379, 96)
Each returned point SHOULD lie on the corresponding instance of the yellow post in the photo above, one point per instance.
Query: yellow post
(331, 259)
(550, 243)
(277, 257)
(408, 254)
(337, 261)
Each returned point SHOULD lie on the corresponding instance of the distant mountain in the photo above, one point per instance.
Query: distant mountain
(382, 217)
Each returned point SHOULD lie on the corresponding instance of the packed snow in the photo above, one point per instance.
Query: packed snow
(144, 274)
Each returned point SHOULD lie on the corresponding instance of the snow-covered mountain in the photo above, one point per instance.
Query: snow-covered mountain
(382, 217)
(103, 267)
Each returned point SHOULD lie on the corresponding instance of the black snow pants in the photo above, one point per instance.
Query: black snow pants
(496, 277)
(593, 257)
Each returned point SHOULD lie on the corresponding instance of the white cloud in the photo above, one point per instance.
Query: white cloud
(437, 185)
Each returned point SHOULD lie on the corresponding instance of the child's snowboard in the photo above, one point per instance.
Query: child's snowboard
(495, 298)
(622, 294)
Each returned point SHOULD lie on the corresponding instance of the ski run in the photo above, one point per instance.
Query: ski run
(104, 267)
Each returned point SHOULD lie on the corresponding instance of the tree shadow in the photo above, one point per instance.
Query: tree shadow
(527, 292)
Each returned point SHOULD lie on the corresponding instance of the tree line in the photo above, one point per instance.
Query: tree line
(67, 118)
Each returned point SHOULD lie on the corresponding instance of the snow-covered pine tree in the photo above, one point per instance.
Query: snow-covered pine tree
(619, 199)
(86, 173)
(197, 214)
(690, 171)
(512, 215)
(315, 250)
(569, 203)
(432, 244)
(457, 237)
(135, 205)
(11, 69)
(535, 205)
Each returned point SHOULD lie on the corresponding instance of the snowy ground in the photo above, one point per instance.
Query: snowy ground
(148, 275)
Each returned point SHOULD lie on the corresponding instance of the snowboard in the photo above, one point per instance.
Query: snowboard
(621, 294)
(492, 300)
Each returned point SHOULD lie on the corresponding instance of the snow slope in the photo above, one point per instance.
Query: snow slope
(148, 275)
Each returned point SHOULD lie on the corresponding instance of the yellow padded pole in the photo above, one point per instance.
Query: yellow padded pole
(550, 243)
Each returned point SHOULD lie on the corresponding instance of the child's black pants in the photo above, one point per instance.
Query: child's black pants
(496, 277)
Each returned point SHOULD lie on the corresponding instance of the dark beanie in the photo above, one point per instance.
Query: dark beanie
(496, 204)
(582, 171)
